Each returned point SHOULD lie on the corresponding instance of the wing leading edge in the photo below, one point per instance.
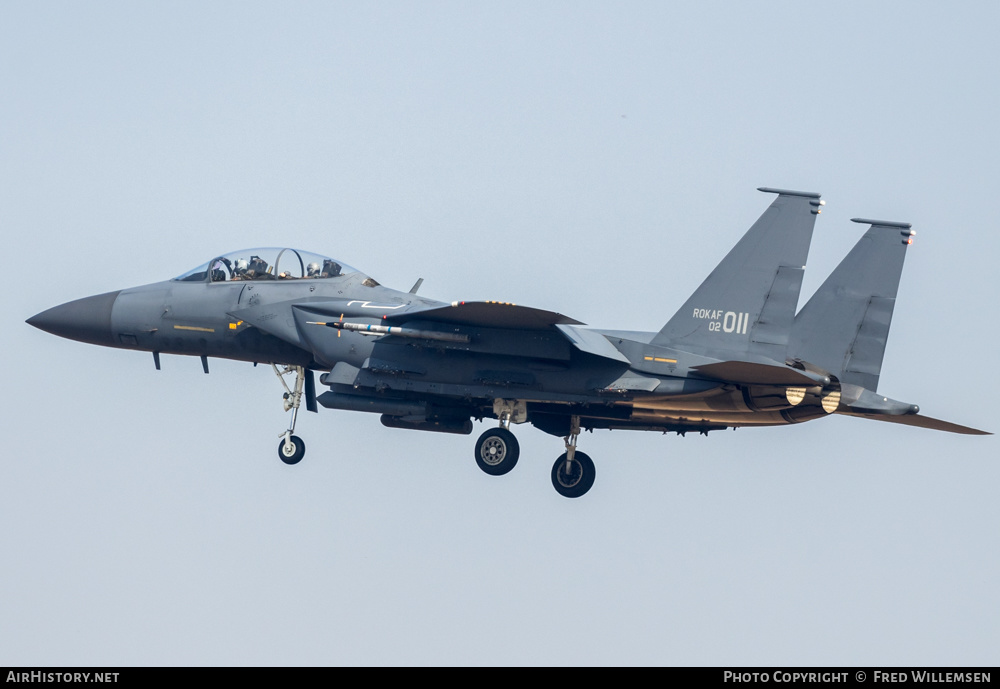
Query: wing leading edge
(487, 314)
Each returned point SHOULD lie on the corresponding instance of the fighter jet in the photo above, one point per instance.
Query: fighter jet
(735, 353)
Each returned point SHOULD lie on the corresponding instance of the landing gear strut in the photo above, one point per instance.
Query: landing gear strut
(292, 448)
(497, 451)
(573, 473)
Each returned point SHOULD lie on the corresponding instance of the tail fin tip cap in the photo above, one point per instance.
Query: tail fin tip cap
(882, 223)
(789, 192)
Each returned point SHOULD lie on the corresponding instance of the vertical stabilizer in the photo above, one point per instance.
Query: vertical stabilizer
(747, 304)
(843, 328)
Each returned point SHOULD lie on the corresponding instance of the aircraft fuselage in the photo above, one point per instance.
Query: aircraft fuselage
(735, 354)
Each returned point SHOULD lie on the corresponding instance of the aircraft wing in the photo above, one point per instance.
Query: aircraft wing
(498, 327)
(491, 314)
(920, 421)
(487, 314)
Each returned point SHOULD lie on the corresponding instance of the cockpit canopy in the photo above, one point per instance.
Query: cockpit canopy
(273, 263)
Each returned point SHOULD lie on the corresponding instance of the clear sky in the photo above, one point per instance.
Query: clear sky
(596, 159)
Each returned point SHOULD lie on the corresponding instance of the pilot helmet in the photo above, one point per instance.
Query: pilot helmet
(241, 265)
(312, 269)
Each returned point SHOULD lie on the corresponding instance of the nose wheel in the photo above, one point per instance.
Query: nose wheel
(291, 449)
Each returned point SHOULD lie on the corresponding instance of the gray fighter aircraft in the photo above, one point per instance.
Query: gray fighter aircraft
(735, 354)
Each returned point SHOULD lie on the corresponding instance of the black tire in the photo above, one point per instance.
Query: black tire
(497, 451)
(580, 478)
(296, 456)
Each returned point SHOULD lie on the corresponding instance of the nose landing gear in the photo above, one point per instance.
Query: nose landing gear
(292, 449)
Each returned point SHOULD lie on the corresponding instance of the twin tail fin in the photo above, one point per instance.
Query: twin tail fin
(747, 304)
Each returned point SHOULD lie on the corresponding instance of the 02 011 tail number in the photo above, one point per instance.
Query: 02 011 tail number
(726, 322)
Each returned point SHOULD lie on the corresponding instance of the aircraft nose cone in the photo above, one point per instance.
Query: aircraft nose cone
(85, 320)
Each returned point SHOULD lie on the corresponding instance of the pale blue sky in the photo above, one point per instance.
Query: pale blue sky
(596, 159)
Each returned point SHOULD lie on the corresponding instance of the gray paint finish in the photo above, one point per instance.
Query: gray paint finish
(734, 355)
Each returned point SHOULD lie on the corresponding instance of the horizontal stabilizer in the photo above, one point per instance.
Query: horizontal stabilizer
(920, 421)
(487, 314)
(752, 373)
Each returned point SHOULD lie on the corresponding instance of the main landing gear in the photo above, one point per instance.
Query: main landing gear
(291, 449)
(497, 452)
(497, 449)
(573, 473)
